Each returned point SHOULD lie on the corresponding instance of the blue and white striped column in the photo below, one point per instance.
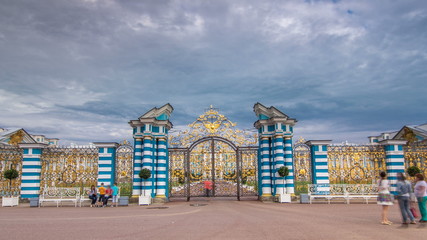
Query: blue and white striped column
(147, 162)
(289, 162)
(31, 169)
(395, 161)
(106, 162)
(137, 166)
(319, 163)
(161, 168)
(265, 169)
(279, 161)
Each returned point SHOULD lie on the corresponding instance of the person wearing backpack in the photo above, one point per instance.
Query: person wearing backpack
(404, 190)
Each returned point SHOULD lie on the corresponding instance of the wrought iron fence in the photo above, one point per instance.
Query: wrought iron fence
(178, 175)
(248, 165)
(124, 168)
(355, 164)
(69, 167)
(416, 155)
(302, 166)
(10, 157)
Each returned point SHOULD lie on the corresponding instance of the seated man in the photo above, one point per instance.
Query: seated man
(108, 195)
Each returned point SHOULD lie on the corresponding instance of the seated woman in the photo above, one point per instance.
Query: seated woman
(92, 195)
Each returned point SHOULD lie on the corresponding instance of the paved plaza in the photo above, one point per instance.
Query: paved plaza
(206, 219)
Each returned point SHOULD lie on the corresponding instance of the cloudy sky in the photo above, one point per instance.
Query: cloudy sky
(80, 70)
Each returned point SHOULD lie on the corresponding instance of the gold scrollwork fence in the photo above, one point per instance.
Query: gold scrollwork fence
(69, 167)
(10, 157)
(416, 155)
(355, 164)
(302, 166)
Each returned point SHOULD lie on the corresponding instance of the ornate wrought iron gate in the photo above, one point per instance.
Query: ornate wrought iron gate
(231, 170)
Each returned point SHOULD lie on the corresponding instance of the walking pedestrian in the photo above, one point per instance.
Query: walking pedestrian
(404, 190)
(420, 191)
(384, 198)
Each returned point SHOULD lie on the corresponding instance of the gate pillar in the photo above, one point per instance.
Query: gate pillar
(319, 161)
(395, 161)
(275, 150)
(150, 132)
(31, 169)
(106, 162)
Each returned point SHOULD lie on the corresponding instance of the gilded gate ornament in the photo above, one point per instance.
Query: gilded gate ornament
(212, 123)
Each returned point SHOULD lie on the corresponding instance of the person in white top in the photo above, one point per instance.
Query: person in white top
(384, 198)
(420, 191)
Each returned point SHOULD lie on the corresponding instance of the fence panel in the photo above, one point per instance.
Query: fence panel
(69, 167)
(355, 164)
(10, 157)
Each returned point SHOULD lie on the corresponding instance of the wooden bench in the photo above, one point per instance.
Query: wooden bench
(59, 195)
(346, 192)
(85, 196)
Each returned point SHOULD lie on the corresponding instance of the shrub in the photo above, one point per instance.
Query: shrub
(413, 170)
(145, 173)
(283, 171)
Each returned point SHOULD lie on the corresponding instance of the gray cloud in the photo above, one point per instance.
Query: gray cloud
(79, 70)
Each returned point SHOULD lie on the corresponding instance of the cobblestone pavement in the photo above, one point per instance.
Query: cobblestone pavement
(206, 220)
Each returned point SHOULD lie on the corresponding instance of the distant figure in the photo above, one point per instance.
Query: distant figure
(420, 191)
(404, 190)
(115, 195)
(208, 187)
(384, 197)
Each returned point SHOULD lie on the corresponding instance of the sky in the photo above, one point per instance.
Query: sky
(80, 70)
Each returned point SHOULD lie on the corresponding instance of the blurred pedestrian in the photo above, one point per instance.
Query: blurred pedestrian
(384, 198)
(404, 190)
(420, 191)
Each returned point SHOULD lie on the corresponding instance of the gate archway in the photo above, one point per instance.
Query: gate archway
(213, 161)
(213, 151)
